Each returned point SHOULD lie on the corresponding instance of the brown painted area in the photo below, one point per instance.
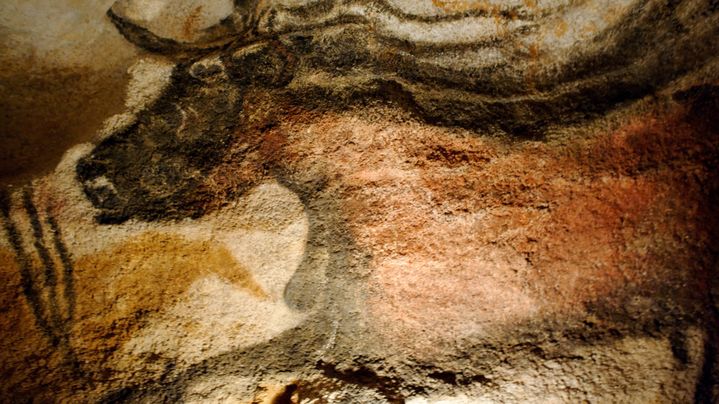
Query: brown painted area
(120, 288)
(28, 363)
(276, 394)
(468, 233)
(191, 22)
(561, 28)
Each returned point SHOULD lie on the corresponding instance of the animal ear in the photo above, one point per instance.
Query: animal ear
(177, 28)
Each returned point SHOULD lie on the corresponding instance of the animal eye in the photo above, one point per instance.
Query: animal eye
(207, 69)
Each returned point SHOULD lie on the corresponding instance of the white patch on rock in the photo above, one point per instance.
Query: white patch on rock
(149, 76)
(180, 20)
(214, 316)
(464, 31)
(574, 28)
(61, 32)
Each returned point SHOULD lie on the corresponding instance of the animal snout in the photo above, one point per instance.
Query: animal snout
(93, 176)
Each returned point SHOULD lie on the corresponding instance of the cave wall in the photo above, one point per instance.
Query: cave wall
(318, 201)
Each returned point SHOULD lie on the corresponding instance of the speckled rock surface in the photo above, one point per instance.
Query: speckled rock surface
(362, 202)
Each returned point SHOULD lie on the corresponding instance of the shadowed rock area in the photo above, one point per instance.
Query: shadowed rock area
(384, 201)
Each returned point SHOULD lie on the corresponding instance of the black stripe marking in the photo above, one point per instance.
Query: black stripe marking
(25, 263)
(68, 269)
(50, 278)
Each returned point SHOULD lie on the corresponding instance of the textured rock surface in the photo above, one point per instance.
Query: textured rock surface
(366, 202)
(64, 71)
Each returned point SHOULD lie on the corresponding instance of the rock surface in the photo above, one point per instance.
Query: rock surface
(373, 201)
(64, 71)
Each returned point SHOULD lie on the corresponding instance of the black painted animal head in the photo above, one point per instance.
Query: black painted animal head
(154, 168)
(448, 67)
(157, 168)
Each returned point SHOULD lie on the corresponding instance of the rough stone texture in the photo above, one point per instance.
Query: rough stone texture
(363, 202)
(64, 71)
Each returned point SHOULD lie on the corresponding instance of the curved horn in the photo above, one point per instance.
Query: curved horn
(164, 28)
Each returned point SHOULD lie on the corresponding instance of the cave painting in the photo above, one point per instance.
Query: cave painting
(149, 291)
(386, 201)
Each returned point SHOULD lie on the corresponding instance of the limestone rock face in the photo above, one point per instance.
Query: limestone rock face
(342, 201)
(64, 71)
(178, 21)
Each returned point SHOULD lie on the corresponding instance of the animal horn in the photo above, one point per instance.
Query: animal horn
(181, 30)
